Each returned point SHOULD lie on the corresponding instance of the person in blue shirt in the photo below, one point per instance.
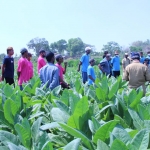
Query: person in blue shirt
(50, 73)
(116, 65)
(142, 58)
(84, 61)
(91, 72)
(104, 65)
(8, 67)
(148, 55)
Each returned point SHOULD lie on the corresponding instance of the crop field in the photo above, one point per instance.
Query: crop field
(105, 116)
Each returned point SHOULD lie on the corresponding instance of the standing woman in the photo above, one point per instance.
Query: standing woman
(30, 65)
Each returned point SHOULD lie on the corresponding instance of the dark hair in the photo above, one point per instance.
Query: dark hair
(9, 49)
(49, 56)
(29, 55)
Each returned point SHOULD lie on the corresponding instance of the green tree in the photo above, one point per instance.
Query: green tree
(111, 47)
(135, 49)
(37, 43)
(75, 46)
(59, 46)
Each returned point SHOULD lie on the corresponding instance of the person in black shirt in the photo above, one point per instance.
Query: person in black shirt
(8, 67)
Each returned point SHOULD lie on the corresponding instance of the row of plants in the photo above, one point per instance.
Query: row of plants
(105, 116)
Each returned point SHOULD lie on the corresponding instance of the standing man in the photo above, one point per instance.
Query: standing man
(115, 62)
(104, 65)
(62, 70)
(23, 68)
(41, 61)
(84, 61)
(125, 61)
(91, 72)
(8, 67)
(136, 73)
(50, 73)
(142, 58)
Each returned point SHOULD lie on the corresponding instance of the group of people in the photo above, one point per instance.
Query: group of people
(135, 68)
(48, 72)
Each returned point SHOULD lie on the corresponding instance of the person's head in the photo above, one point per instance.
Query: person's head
(10, 51)
(92, 62)
(88, 50)
(148, 53)
(108, 57)
(116, 53)
(59, 58)
(50, 57)
(126, 55)
(24, 52)
(42, 52)
(135, 56)
(146, 61)
(141, 54)
(29, 56)
(105, 52)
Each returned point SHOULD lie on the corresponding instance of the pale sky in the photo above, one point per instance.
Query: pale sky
(96, 22)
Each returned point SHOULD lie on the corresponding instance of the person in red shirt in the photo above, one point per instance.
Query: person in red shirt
(29, 57)
(62, 71)
(23, 68)
(41, 61)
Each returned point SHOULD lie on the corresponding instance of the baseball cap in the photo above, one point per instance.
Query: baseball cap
(135, 55)
(23, 50)
(88, 48)
(126, 53)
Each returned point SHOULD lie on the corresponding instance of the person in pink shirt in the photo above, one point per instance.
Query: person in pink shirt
(41, 61)
(62, 71)
(23, 68)
(30, 65)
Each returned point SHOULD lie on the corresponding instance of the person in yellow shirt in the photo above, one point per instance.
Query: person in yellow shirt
(136, 73)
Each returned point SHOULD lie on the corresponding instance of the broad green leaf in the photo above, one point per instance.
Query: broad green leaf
(95, 123)
(122, 122)
(47, 146)
(141, 140)
(56, 90)
(144, 112)
(8, 91)
(82, 106)
(65, 97)
(118, 145)
(36, 115)
(4, 148)
(132, 133)
(138, 123)
(77, 134)
(50, 126)
(15, 147)
(132, 95)
(113, 89)
(35, 129)
(104, 131)
(77, 85)
(121, 134)
(91, 126)
(100, 94)
(59, 115)
(101, 145)
(6, 136)
(73, 145)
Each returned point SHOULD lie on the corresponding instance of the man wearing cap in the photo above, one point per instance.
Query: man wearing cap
(8, 67)
(142, 58)
(91, 72)
(104, 65)
(136, 73)
(84, 61)
(23, 68)
(59, 59)
(41, 61)
(115, 62)
(50, 73)
(125, 61)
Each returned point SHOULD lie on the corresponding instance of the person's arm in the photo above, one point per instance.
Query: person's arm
(123, 65)
(19, 69)
(126, 75)
(3, 68)
(80, 63)
(55, 79)
(101, 65)
(65, 64)
(147, 74)
(91, 78)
